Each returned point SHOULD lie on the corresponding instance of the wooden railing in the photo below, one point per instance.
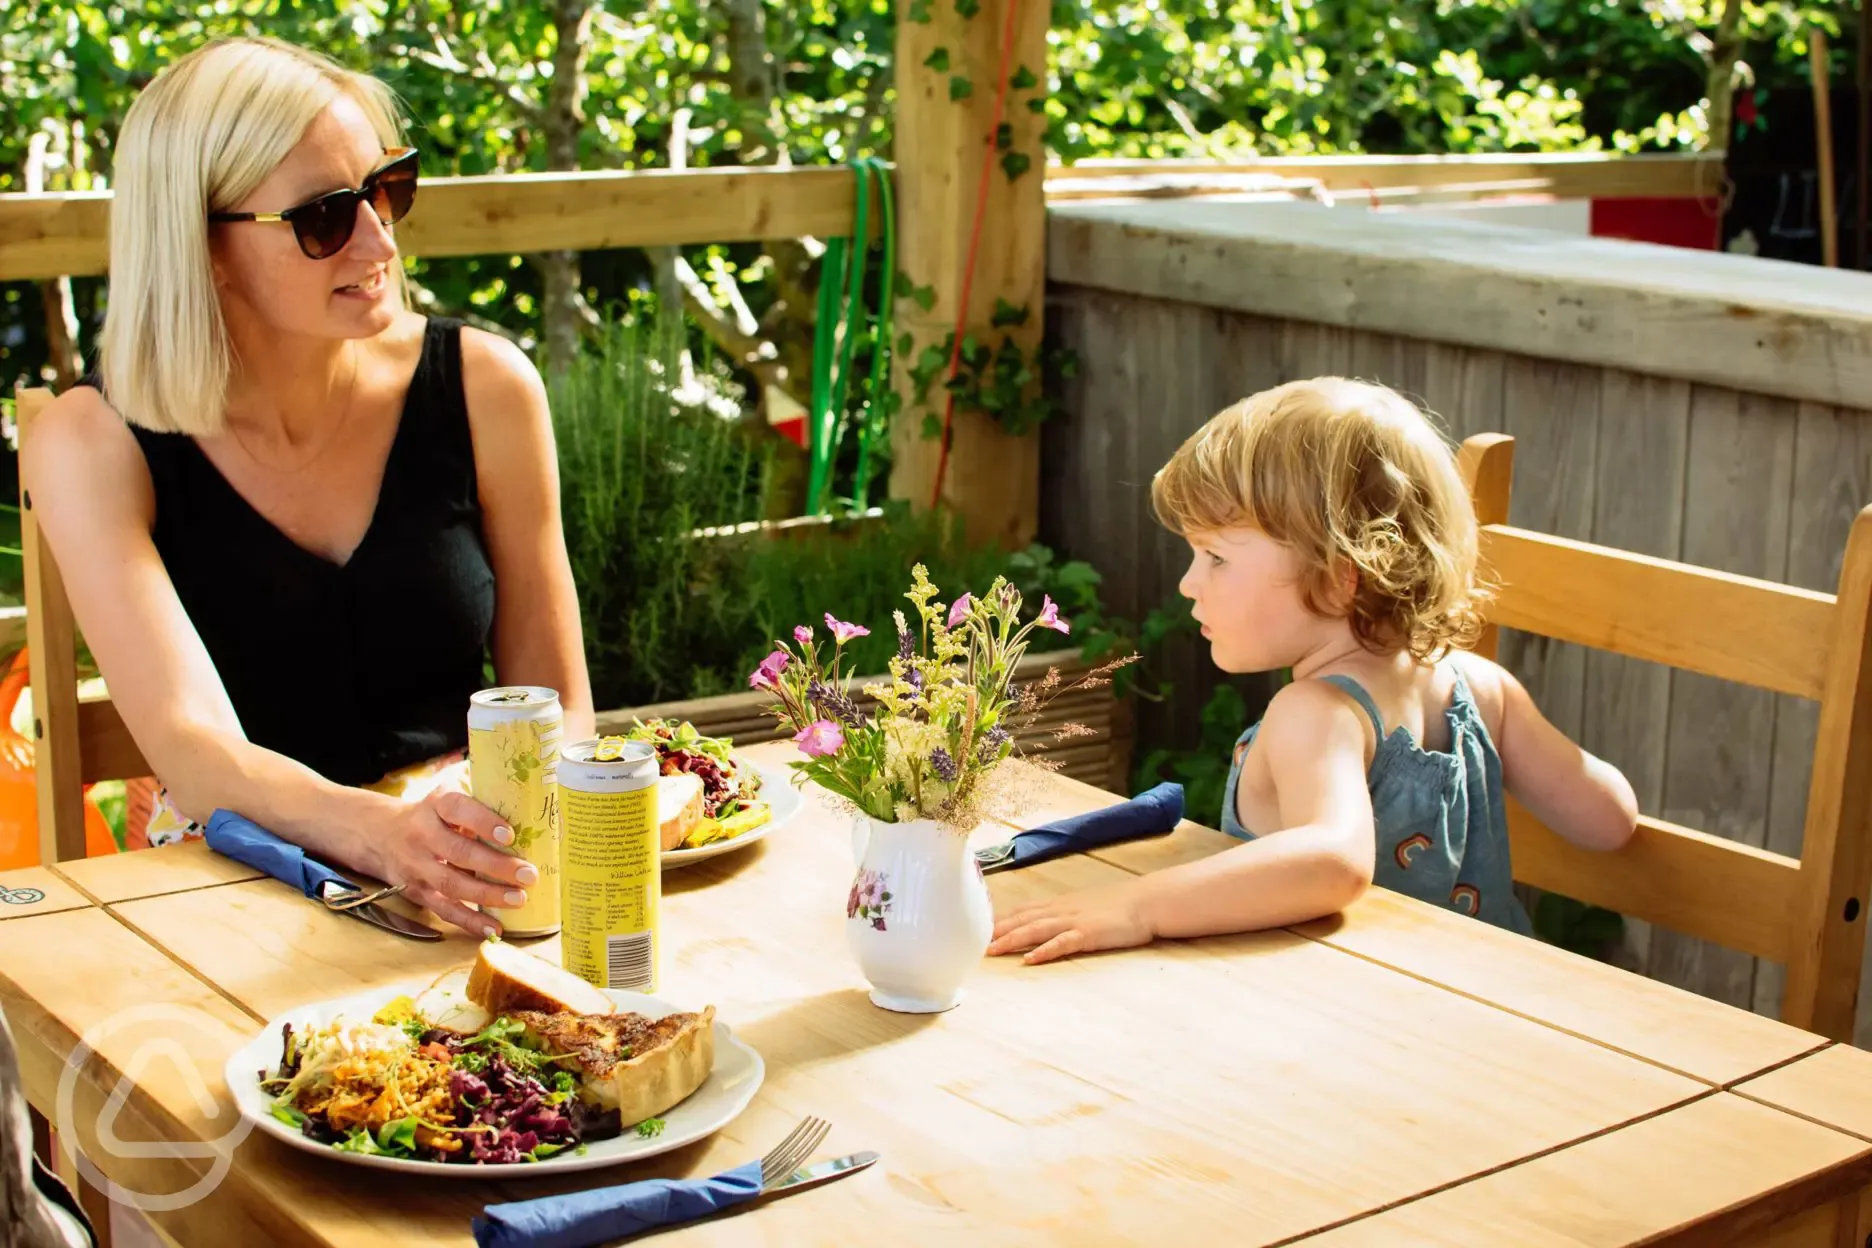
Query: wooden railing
(58, 235)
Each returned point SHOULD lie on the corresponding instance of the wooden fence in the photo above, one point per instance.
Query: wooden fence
(1691, 406)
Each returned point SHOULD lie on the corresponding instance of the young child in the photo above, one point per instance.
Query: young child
(1331, 535)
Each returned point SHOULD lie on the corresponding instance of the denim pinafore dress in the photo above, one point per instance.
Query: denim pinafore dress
(1442, 828)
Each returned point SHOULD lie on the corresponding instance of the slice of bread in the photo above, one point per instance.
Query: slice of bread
(679, 807)
(633, 1064)
(506, 978)
(445, 1005)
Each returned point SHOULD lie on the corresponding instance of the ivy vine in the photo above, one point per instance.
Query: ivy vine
(997, 377)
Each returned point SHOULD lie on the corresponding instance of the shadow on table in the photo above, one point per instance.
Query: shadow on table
(711, 871)
(828, 1026)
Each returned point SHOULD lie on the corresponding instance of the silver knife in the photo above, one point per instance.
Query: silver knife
(361, 905)
(817, 1173)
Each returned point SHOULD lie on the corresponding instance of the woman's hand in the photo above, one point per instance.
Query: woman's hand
(1101, 918)
(439, 848)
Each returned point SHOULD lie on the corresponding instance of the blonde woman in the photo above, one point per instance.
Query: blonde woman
(1331, 535)
(293, 515)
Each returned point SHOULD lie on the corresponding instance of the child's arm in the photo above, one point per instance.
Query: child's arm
(1320, 862)
(1582, 798)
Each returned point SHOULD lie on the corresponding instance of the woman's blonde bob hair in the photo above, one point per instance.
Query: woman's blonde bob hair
(199, 139)
(1354, 478)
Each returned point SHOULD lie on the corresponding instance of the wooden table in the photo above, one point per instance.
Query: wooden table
(1396, 1075)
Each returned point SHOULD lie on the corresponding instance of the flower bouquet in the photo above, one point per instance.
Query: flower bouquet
(933, 755)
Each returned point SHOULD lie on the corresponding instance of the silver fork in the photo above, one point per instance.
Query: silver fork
(789, 1153)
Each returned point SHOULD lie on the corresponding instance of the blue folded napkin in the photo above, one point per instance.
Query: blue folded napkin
(581, 1219)
(1148, 814)
(246, 841)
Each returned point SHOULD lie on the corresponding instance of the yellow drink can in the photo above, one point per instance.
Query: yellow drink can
(611, 889)
(513, 761)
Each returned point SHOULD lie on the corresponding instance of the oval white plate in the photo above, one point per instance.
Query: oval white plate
(776, 790)
(721, 1098)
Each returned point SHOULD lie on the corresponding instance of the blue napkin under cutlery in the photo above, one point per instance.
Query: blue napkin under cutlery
(246, 841)
(1152, 813)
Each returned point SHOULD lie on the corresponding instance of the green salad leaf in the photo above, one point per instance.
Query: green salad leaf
(650, 1128)
(542, 1151)
(288, 1114)
(359, 1141)
(397, 1138)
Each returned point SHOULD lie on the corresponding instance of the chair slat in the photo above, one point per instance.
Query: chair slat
(1757, 633)
(107, 751)
(51, 635)
(1721, 890)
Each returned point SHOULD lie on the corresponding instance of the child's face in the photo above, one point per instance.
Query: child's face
(1245, 592)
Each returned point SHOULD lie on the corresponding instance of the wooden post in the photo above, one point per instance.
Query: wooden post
(948, 70)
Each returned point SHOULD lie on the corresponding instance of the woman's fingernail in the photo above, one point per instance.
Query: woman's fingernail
(503, 836)
(491, 930)
(527, 874)
(515, 897)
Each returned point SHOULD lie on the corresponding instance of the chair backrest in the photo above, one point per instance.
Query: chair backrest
(1807, 913)
(76, 742)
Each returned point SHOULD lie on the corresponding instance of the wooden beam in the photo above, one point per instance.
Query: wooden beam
(992, 478)
(68, 234)
(1564, 174)
(1759, 326)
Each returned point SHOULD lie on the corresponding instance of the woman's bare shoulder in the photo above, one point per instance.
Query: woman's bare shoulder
(80, 442)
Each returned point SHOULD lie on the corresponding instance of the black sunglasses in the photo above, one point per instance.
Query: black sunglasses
(324, 225)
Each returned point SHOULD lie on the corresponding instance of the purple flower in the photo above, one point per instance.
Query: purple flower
(835, 704)
(906, 645)
(820, 738)
(992, 741)
(1049, 616)
(843, 632)
(944, 765)
(767, 675)
(803, 635)
(960, 610)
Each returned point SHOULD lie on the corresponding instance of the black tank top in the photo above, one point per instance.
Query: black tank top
(354, 670)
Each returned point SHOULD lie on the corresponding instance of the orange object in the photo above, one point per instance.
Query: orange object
(19, 798)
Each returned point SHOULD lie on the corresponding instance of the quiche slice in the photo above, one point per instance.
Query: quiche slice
(639, 1066)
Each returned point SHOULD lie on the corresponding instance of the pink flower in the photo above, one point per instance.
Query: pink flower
(803, 635)
(843, 632)
(960, 610)
(767, 675)
(1049, 616)
(820, 738)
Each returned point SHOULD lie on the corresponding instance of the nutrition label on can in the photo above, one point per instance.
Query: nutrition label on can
(611, 886)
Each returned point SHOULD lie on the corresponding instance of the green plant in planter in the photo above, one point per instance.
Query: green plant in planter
(644, 460)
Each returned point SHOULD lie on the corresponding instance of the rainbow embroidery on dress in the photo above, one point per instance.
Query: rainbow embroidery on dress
(1406, 847)
(1466, 898)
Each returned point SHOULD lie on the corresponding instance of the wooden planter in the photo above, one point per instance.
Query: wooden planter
(1103, 759)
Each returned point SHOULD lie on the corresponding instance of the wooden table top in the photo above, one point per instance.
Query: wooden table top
(1358, 1081)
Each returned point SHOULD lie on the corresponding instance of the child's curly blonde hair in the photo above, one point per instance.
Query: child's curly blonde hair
(1349, 475)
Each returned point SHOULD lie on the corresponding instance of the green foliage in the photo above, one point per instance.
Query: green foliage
(643, 463)
(1202, 771)
(1002, 380)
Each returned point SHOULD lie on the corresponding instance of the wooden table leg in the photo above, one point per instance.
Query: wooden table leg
(96, 1205)
(1855, 1221)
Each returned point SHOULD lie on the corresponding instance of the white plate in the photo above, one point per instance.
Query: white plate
(776, 790)
(721, 1098)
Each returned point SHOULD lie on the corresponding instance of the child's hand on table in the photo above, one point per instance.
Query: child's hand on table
(1111, 917)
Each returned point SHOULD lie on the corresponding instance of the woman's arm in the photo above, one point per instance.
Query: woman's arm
(1581, 797)
(93, 500)
(537, 638)
(1315, 744)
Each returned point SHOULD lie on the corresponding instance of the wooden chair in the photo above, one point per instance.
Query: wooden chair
(76, 742)
(1806, 913)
